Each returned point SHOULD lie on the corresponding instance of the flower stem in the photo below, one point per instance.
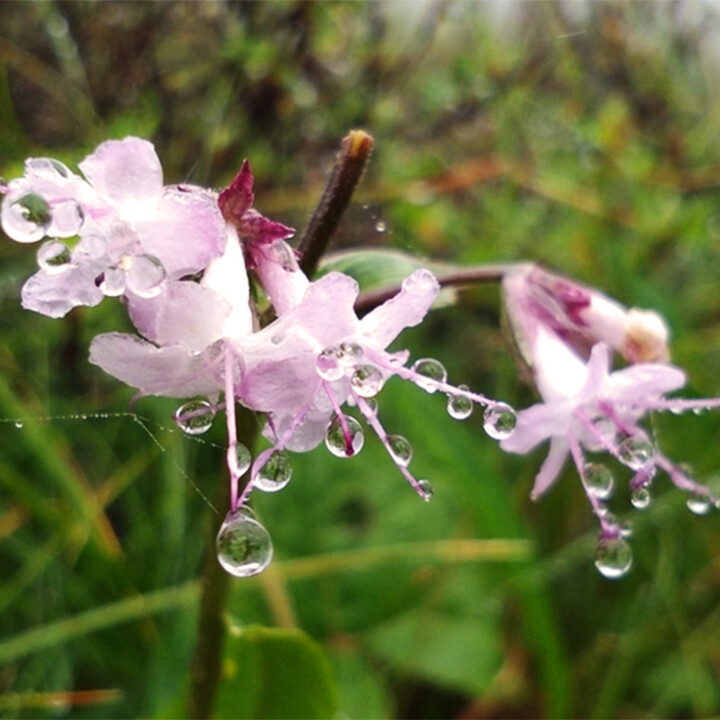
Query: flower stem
(354, 153)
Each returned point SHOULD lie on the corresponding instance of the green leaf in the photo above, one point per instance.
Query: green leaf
(275, 673)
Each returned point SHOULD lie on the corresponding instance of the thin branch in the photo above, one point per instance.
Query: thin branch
(349, 166)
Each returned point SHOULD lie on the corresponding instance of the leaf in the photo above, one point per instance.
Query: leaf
(275, 673)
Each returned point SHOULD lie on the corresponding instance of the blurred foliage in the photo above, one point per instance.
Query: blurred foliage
(579, 134)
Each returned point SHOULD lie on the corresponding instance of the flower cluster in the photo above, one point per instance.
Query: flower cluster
(179, 257)
(565, 334)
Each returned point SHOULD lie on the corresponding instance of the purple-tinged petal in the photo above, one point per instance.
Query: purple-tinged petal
(551, 467)
(168, 371)
(537, 424)
(643, 382)
(236, 199)
(124, 171)
(281, 277)
(406, 309)
(256, 229)
(56, 294)
(185, 232)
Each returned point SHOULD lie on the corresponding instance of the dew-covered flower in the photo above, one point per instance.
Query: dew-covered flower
(586, 408)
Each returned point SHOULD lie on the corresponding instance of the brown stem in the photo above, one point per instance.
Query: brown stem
(354, 153)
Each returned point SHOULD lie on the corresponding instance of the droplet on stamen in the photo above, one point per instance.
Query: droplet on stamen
(698, 503)
(640, 498)
(426, 490)
(431, 373)
(340, 444)
(54, 257)
(459, 407)
(275, 474)
(499, 421)
(636, 452)
(400, 449)
(244, 547)
(243, 459)
(328, 365)
(613, 557)
(195, 417)
(349, 354)
(367, 381)
(598, 480)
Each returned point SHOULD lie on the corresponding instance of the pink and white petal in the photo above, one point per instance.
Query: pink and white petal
(124, 171)
(551, 467)
(644, 381)
(406, 309)
(537, 424)
(168, 371)
(185, 313)
(55, 295)
(185, 231)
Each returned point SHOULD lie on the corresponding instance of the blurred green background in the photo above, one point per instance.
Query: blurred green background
(580, 134)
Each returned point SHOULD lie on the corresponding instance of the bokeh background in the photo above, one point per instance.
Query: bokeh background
(580, 134)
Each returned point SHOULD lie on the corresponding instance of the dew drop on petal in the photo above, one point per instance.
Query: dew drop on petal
(53, 257)
(432, 372)
(367, 381)
(337, 442)
(26, 219)
(275, 474)
(640, 498)
(146, 276)
(426, 490)
(112, 282)
(459, 407)
(328, 365)
(698, 503)
(635, 452)
(349, 354)
(243, 459)
(499, 421)
(195, 417)
(598, 480)
(400, 449)
(244, 547)
(613, 557)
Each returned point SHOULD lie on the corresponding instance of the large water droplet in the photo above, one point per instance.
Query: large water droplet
(459, 407)
(367, 381)
(67, 217)
(53, 257)
(26, 219)
(613, 557)
(275, 474)
(349, 354)
(635, 452)
(499, 421)
(112, 282)
(400, 449)
(244, 547)
(195, 417)
(340, 444)
(380, 226)
(426, 490)
(146, 276)
(243, 459)
(598, 480)
(431, 369)
(640, 498)
(328, 365)
(698, 503)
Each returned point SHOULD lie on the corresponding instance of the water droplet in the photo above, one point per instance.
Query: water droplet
(53, 257)
(699, 410)
(459, 407)
(243, 459)
(67, 218)
(626, 529)
(244, 546)
(426, 490)
(145, 276)
(640, 498)
(349, 354)
(380, 226)
(328, 365)
(598, 480)
(698, 503)
(400, 449)
(499, 421)
(26, 219)
(431, 369)
(367, 381)
(275, 474)
(338, 443)
(112, 282)
(372, 406)
(19, 424)
(635, 452)
(613, 557)
(195, 417)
